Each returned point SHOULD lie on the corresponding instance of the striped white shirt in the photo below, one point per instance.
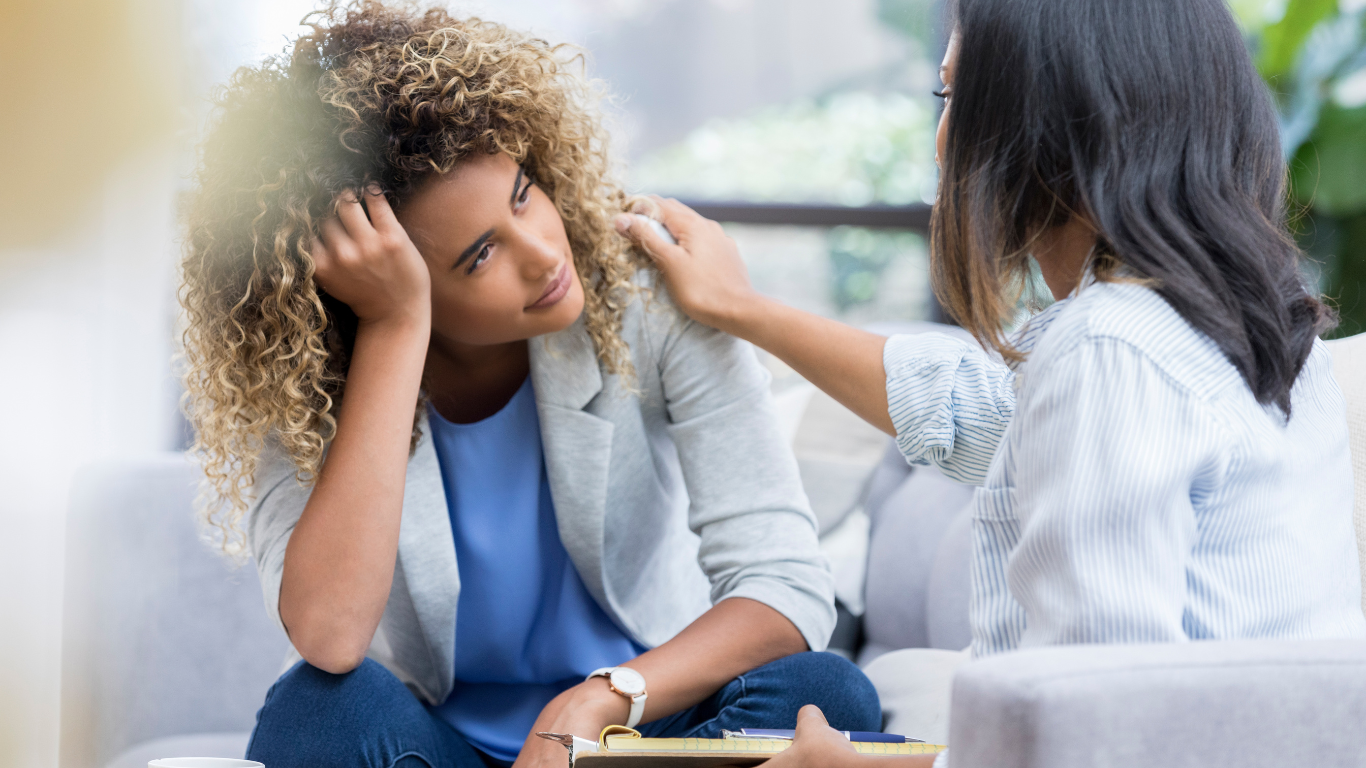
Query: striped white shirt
(1133, 490)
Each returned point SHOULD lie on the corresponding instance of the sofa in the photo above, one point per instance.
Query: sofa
(168, 650)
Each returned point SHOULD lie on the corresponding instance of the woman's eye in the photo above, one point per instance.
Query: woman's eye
(944, 94)
(479, 258)
(525, 194)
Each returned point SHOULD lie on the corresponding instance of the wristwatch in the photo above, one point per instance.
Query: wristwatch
(626, 682)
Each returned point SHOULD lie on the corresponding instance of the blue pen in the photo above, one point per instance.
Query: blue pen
(779, 733)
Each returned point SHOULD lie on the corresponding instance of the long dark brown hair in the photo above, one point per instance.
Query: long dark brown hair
(1147, 118)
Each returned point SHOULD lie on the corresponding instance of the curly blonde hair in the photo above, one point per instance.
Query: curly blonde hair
(375, 93)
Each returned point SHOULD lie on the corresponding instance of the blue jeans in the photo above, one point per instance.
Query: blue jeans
(366, 717)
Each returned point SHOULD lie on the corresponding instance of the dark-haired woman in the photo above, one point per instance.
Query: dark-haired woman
(1163, 456)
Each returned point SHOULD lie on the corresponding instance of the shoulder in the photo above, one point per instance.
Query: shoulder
(650, 305)
(1129, 321)
(654, 327)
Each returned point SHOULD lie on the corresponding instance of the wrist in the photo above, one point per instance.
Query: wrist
(744, 316)
(414, 324)
(608, 707)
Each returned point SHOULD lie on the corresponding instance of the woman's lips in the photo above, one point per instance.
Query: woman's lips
(557, 289)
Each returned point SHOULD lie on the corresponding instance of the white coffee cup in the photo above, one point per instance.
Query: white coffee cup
(204, 763)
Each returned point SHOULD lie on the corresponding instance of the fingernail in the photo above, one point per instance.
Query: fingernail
(623, 223)
(373, 188)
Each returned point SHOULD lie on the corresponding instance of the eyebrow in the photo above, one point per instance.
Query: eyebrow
(516, 185)
(474, 247)
(470, 251)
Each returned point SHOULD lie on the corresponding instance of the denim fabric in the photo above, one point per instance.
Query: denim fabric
(368, 718)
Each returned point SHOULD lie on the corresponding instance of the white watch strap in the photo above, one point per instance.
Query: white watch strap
(637, 702)
(637, 709)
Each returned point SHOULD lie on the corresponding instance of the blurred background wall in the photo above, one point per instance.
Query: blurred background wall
(91, 110)
(773, 102)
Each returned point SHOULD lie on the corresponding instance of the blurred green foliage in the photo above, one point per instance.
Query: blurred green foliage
(1281, 41)
(848, 147)
(1313, 55)
(858, 259)
(917, 20)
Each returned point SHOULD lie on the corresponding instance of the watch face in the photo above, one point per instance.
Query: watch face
(628, 681)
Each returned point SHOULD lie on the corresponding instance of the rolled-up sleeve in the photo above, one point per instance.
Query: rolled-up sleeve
(758, 534)
(949, 402)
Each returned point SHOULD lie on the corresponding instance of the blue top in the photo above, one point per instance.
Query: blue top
(526, 629)
(1133, 489)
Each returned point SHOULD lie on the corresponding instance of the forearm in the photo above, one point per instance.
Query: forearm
(734, 637)
(339, 563)
(844, 362)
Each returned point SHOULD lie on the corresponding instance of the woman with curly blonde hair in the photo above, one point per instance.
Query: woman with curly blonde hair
(493, 484)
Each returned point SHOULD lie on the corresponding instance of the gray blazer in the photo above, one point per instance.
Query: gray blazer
(668, 500)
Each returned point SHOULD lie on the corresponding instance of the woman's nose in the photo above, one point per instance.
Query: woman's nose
(539, 256)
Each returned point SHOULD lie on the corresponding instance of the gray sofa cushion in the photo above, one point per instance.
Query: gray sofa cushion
(950, 587)
(191, 745)
(915, 687)
(913, 511)
(163, 637)
(1349, 367)
(1234, 703)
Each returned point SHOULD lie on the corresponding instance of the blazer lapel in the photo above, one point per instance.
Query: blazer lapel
(578, 445)
(426, 560)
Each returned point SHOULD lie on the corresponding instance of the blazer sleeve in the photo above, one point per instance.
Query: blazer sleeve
(270, 521)
(758, 534)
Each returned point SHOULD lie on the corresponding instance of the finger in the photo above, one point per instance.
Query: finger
(685, 223)
(810, 718)
(317, 251)
(353, 217)
(323, 258)
(381, 214)
(674, 213)
(639, 232)
(334, 238)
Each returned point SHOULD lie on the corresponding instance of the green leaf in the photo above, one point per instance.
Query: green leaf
(1328, 171)
(1281, 41)
(1251, 14)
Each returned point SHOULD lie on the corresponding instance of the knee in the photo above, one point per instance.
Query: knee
(304, 685)
(310, 707)
(837, 686)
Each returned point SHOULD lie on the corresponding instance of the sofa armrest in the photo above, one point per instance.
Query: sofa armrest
(1231, 703)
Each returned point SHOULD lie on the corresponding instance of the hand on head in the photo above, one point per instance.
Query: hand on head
(367, 260)
(704, 272)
